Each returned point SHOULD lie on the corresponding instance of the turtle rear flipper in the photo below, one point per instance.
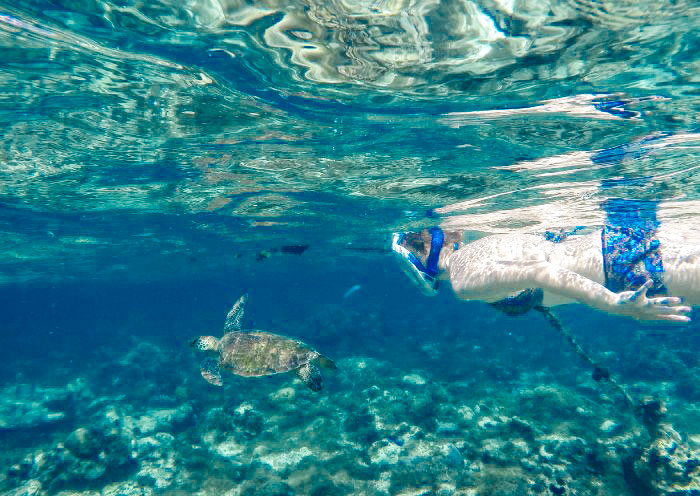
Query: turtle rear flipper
(311, 376)
(210, 371)
(326, 362)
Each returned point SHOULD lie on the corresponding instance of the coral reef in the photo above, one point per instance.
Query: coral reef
(380, 427)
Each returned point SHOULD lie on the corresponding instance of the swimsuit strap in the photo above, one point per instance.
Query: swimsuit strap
(558, 237)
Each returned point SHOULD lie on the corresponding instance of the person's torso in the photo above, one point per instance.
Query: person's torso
(580, 254)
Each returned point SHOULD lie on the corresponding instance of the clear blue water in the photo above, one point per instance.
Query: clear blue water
(156, 157)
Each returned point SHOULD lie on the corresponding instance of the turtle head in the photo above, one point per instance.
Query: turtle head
(205, 343)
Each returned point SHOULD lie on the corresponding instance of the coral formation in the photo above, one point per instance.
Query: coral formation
(384, 426)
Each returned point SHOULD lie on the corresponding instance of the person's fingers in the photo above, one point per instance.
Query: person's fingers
(666, 300)
(676, 318)
(663, 309)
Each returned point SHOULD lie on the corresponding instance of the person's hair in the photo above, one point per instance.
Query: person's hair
(414, 242)
(453, 237)
(419, 242)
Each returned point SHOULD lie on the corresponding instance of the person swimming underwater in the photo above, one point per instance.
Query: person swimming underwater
(636, 268)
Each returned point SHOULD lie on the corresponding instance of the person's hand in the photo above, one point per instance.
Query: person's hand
(636, 304)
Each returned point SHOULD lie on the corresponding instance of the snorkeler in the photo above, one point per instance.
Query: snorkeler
(635, 266)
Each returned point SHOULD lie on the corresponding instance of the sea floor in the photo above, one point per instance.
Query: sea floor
(475, 414)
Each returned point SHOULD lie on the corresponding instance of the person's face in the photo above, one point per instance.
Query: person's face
(418, 244)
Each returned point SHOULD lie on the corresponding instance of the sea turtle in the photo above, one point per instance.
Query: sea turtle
(253, 353)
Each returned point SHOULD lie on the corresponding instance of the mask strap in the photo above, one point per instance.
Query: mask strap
(436, 242)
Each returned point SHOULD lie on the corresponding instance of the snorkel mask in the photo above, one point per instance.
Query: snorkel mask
(423, 275)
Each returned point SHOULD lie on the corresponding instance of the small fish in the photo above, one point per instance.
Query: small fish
(294, 249)
(287, 249)
(262, 255)
(352, 290)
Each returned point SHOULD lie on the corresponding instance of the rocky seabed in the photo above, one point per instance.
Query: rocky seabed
(374, 430)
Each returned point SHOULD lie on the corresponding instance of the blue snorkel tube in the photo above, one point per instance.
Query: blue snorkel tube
(423, 275)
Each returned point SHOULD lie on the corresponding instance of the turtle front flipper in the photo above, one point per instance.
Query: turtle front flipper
(235, 315)
(210, 371)
(311, 376)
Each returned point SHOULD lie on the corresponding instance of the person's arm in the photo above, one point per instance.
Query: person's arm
(495, 275)
(634, 304)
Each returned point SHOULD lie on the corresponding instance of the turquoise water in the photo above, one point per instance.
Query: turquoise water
(159, 159)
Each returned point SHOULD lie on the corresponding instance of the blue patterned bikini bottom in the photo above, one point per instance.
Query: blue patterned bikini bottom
(631, 250)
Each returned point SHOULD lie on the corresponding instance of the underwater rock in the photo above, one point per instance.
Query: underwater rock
(503, 451)
(359, 424)
(517, 449)
(548, 402)
(383, 454)
(445, 489)
(29, 488)
(273, 488)
(492, 451)
(106, 451)
(423, 467)
(610, 427)
(558, 449)
(228, 448)
(466, 414)
(453, 458)
(217, 420)
(284, 460)
(159, 473)
(522, 428)
(416, 463)
(283, 394)
(83, 443)
(327, 488)
(227, 430)
(488, 422)
(156, 459)
(668, 466)
(87, 455)
(382, 484)
(447, 428)
(28, 416)
(128, 488)
(164, 420)
(418, 477)
(24, 406)
(503, 481)
(81, 493)
(414, 379)
(247, 421)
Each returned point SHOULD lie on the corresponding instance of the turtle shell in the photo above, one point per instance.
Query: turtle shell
(255, 353)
